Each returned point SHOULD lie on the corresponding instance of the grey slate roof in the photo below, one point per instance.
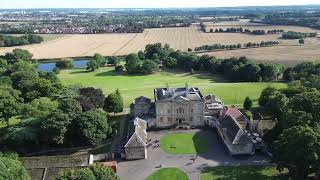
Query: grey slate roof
(234, 131)
(139, 134)
(174, 93)
(142, 99)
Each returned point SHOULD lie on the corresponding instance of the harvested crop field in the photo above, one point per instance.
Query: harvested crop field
(178, 38)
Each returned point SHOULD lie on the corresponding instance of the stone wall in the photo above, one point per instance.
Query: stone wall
(136, 153)
(55, 161)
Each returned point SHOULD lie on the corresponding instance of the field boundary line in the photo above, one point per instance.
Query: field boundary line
(126, 44)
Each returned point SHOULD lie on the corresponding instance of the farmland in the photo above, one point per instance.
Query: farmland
(288, 52)
(135, 86)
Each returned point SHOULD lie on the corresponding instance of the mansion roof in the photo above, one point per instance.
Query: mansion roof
(171, 94)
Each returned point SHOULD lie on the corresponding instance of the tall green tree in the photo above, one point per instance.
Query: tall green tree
(40, 108)
(149, 67)
(133, 64)
(101, 60)
(114, 103)
(10, 103)
(56, 126)
(298, 150)
(92, 127)
(93, 65)
(247, 104)
(114, 60)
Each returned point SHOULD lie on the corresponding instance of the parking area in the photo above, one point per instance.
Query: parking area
(191, 164)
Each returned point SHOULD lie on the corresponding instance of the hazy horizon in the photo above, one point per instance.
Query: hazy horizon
(38, 4)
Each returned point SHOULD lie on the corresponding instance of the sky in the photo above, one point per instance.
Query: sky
(145, 3)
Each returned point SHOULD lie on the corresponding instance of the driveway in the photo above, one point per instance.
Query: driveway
(215, 156)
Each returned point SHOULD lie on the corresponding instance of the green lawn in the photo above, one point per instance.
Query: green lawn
(132, 87)
(168, 174)
(242, 173)
(184, 143)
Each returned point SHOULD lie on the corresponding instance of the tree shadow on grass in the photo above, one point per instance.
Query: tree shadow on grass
(80, 72)
(114, 73)
(200, 142)
(242, 173)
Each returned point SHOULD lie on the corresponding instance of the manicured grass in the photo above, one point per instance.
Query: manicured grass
(132, 87)
(168, 174)
(184, 143)
(242, 173)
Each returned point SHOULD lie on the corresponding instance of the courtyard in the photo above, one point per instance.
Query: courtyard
(192, 164)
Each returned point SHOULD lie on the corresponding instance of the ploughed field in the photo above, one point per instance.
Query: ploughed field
(182, 38)
(132, 87)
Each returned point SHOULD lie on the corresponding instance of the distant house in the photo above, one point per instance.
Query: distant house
(135, 147)
(233, 136)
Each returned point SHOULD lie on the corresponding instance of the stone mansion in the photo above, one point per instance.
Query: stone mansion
(175, 107)
(186, 107)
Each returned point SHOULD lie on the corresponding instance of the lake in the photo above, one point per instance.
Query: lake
(49, 66)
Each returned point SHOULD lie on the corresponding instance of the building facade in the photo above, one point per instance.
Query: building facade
(179, 106)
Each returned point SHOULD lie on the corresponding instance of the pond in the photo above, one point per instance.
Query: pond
(49, 66)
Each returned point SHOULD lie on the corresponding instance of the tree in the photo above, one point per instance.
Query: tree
(247, 103)
(77, 174)
(101, 60)
(170, 62)
(70, 106)
(301, 41)
(92, 65)
(265, 94)
(12, 169)
(10, 103)
(149, 67)
(102, 172)
(56, 126)
(113, 103)
(66, 63)
(133, 64)
(18, 55)
(5, 81)
(114, 60)
(93, 172)
(40, 108)
(34, 39)
(92, 127)
(119, 69)
(91, 98)
(298, 150)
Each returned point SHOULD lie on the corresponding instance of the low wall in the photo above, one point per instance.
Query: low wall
(55, 161)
